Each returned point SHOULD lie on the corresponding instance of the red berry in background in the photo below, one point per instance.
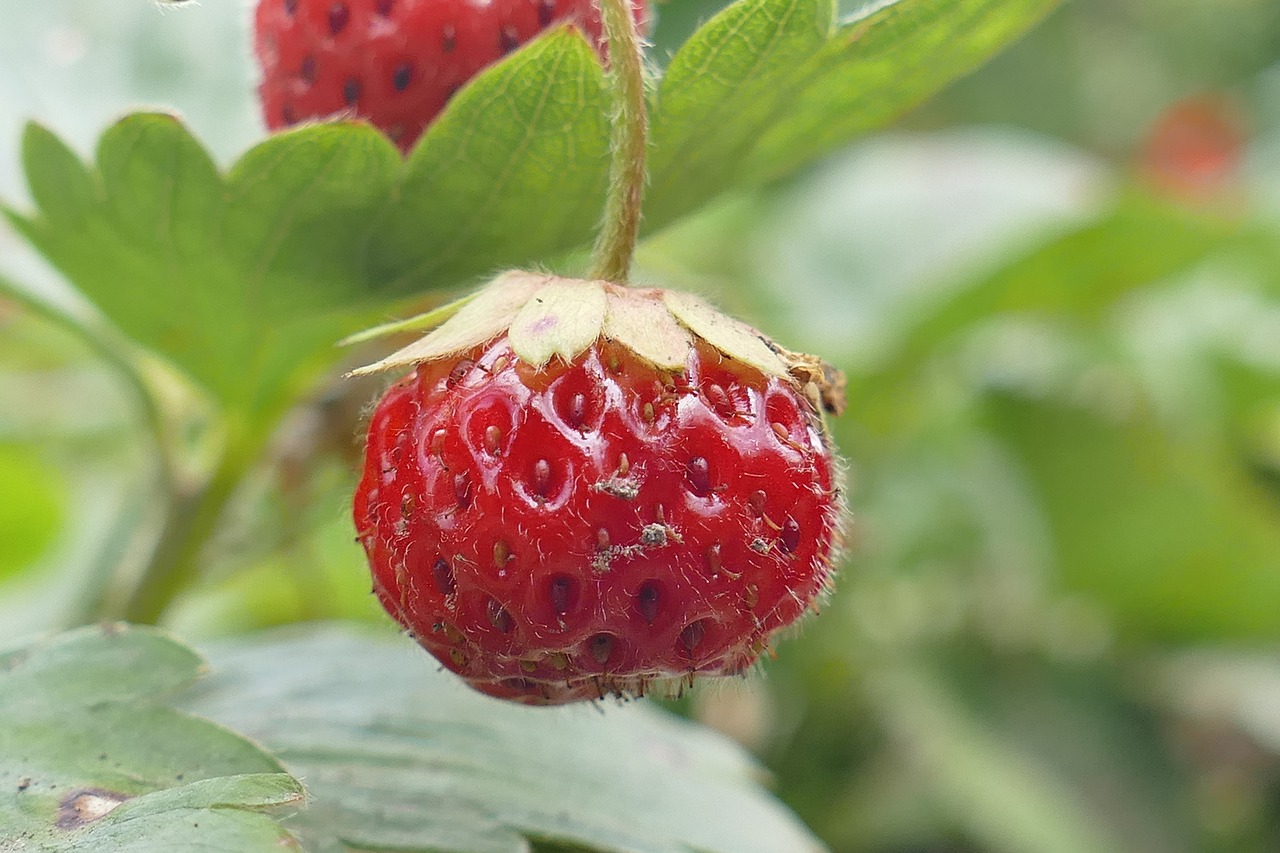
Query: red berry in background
(597, 525)
(395, 63)
(1195, 147)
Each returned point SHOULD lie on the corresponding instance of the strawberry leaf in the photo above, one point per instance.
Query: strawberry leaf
(244, 279)
(514, 170)
(92, 759)
(241, 281)
(769, 85)
(401, 756)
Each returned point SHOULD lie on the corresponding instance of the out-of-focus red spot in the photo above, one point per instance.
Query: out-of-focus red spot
(1194, 148)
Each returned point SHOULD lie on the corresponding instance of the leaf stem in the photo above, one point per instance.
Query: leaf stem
(628, 143)
(191, 521)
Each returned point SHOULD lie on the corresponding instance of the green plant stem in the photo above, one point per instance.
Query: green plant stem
(628, 143)
(94, 600)
(192, 520)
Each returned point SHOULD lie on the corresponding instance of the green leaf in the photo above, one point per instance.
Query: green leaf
(237, 281)
(514, 170)
(399, 755)
(243, 280)
(769, 85)
(1167, 532)
(877, 67)
(1077, 276)
(724, 87)
(91, 759)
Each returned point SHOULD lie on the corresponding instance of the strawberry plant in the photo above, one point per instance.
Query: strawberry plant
(374, 324)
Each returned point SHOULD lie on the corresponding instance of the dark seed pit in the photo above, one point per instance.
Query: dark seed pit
(351, 91)
(699, 476)
(691, 636)
(402, 76)
(339, 17)
(442, 574)
(601, 646)
(647, 600)
(563, 592)
(508, 39)
(498, 616)
(789, 538)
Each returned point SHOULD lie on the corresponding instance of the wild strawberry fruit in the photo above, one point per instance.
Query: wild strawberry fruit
(393, 62)
(585, 490)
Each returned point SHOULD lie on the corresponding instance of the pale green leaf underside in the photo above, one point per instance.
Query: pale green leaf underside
(398, 755)
(92, 759)
(244, 279)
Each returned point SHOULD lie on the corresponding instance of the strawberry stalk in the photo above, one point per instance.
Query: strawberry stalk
(616, 243)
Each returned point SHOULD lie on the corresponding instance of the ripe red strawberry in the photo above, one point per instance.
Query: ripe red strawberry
(393, 62)
(558, 528)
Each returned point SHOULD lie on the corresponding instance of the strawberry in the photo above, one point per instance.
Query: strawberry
(585, 490)
(395, 63)
(1195, 148)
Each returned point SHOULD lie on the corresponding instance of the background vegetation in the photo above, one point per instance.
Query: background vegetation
(1055, 288)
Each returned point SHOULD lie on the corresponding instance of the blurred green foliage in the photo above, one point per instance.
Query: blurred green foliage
(31, 513)
(1055, 289)
(1063, 431)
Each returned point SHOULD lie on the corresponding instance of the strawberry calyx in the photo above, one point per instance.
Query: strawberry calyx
(547, 316)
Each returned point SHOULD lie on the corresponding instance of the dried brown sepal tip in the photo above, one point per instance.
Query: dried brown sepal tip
(822, 383)
(551, 317)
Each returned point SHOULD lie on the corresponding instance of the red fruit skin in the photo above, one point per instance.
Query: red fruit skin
(1195, 148)
(395, 63)
(596, 528)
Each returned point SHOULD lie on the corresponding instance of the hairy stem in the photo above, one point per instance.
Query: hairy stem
(628, 141)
